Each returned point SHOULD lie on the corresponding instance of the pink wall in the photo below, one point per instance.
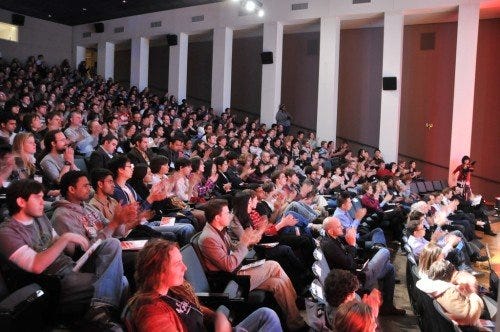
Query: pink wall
(360, 85)
(486, 122)
(427, 93)
(299, 84)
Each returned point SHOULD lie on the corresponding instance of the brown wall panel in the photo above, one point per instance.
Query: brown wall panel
(486, 121)
(246, 75)
(299, 84)
(360, 85)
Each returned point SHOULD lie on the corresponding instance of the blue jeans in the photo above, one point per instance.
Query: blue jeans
(381, 268)
(302, 223)
(374, 236)
(302, 209)
(101, 279)
(262, 319)
(184, 232)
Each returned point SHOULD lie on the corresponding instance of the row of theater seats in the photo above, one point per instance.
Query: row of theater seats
(424, 187)
(431, 316)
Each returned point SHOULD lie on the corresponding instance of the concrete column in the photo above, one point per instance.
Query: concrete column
(79, 55)
(177, 67)
(221, 68)
(465, 76)
(391, 100)
(106, 60)
(271, 73)
(139, 62)
(328, 87)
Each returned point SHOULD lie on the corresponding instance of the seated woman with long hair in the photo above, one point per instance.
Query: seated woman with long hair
(207, 176)
(244, 204)
(24, 149)
(431, 253)
(166, 302)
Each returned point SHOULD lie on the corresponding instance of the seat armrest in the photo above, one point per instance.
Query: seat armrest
(214, 295)
(16, 301)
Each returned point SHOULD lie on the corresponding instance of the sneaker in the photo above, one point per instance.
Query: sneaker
(100, 319)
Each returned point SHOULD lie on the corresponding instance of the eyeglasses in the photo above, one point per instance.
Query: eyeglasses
(131, 166)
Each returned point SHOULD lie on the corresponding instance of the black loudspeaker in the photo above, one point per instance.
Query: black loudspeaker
(171, 40)
(99, 27)
(389, 83)
(18, 19)
(267, 58)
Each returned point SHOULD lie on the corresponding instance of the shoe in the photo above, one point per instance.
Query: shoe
(391, 311)
(100, 319)
(478, 258)
(376, 247)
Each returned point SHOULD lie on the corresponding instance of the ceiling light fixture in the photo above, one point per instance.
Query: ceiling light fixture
(251, 6)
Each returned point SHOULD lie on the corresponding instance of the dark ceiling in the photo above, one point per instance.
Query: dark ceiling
(72, 12)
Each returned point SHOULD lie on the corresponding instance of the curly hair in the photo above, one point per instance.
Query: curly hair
(338, 285)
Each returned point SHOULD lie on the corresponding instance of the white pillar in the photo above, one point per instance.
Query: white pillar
(106, 60)
(139, 62)
(79, 55)
(391, 100)
(177, 67)
(465, 76)
(221, 69)
(271, 73)
(328, 87)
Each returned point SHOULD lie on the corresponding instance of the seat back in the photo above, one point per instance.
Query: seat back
(438, 186)
(413, 188)
(429, 186)
(421, 187)
(320, 267)
(317, 291)
(195, 274)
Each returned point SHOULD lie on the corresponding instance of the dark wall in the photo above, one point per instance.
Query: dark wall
(486, 122)
(122, 67)
(427, 93)
(246, 75)
(199, 72)
(299, 83)
(158, 68)
(360, 72)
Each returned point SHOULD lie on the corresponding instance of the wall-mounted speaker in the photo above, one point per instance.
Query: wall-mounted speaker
(171, 40)
(389, 83)
(266, 57)
(18, 19)
(99, 27)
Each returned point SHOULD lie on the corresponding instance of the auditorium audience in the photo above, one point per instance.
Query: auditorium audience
(167, 157)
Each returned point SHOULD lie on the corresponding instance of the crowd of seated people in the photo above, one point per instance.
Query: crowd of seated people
(89, 160)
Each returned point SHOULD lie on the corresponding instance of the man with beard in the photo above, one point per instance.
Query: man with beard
(59, 158)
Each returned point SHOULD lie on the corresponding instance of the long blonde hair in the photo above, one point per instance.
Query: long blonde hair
(18, 149)
(429, 255)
